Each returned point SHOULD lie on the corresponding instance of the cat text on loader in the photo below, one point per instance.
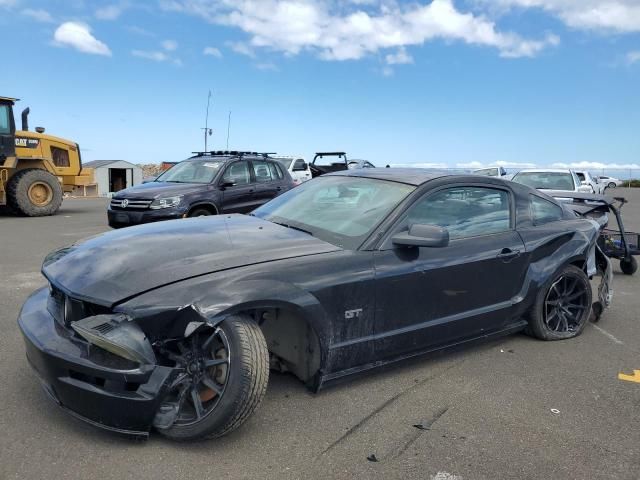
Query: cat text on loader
(35, 169)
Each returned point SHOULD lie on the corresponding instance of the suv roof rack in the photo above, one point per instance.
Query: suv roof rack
(232, 153)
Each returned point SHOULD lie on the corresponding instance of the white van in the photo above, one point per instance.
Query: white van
(297, 167)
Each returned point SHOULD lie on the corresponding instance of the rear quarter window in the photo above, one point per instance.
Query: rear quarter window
(543, 211)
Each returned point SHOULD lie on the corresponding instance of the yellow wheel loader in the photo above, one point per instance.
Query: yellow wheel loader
(35, 169)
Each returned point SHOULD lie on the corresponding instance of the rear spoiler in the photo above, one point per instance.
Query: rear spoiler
(581, 197)
(586, 203)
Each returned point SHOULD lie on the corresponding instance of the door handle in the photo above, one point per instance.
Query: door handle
(506, 255)
(279, 188)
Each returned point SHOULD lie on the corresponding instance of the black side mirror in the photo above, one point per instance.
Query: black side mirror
(227, 183)
(419, 235)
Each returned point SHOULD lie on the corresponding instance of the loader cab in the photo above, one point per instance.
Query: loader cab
(7, 129)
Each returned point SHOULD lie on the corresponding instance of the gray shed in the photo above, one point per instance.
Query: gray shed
(112, 176)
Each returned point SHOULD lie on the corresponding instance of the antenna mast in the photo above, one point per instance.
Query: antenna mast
(207, 130)
(228, 129)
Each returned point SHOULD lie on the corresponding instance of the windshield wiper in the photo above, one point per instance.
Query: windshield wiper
(293, 227)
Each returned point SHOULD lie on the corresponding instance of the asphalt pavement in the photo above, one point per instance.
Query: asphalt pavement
(513, 408)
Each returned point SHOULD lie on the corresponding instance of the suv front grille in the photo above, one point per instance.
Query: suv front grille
(126, 203)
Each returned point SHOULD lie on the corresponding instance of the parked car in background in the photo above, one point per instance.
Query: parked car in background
(174, 325)
(491, 172)
(205, 184)
(355, 164)
(551, 179)
(327, 162)
(610, 182)
(297, 167)
(586, 178)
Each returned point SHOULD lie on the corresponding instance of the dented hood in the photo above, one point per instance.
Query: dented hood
(118, 265)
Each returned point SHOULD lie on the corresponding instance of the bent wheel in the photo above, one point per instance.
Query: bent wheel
(562, 307)
(223, 378)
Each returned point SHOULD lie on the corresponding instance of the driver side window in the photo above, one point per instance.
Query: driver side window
(237, 173)
(464, 211)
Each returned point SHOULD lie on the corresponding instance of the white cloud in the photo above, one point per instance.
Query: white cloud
(621, 16)
(241, 48)
(353, 30)
(597, 165)
(110, 12)
(633, 57)
(170, 45)
(399, 58)
(212, 51)
(156, 56)
(39, 15)
(7, 3)
(78, 35)
(500, 163)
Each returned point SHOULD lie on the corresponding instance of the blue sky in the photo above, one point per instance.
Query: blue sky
(448, 82)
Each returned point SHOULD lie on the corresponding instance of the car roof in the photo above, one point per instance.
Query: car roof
(410, 176)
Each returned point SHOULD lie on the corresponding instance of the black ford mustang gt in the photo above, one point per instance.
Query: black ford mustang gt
(175, 325)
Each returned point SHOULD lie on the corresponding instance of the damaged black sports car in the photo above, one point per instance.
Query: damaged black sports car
(175, 325)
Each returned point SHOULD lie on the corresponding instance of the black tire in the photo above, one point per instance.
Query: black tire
(571, 320)
(245, 385)
(200, 212)
(612, 185)
(18, 192)
(629, 267)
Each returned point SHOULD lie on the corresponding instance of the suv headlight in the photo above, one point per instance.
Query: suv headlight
(166, 202)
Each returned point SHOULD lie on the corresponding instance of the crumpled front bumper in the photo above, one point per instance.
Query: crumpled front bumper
(91, 384)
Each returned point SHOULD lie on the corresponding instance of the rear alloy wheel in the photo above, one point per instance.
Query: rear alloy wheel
(612, 185)
(563, 307)
(223, 378)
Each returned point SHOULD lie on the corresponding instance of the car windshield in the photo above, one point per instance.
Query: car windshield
(201, 171)
(546, 180)
(339, 210)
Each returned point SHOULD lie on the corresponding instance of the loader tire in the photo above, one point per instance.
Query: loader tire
(34, 192)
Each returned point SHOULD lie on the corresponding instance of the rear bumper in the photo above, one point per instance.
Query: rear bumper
(126, 218)
(89, 383)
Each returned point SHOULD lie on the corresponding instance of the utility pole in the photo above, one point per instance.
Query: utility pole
(228, 129)
(207, 130)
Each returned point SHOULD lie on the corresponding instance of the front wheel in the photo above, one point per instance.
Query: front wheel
(223, 379)
(200, 212)
(612, 185)
(562, 307)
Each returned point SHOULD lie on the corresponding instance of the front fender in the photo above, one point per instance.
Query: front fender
(167, 311)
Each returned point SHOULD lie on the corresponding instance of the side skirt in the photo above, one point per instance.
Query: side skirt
(331, 378)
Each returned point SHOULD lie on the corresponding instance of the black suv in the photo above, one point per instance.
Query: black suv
(205, 184)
